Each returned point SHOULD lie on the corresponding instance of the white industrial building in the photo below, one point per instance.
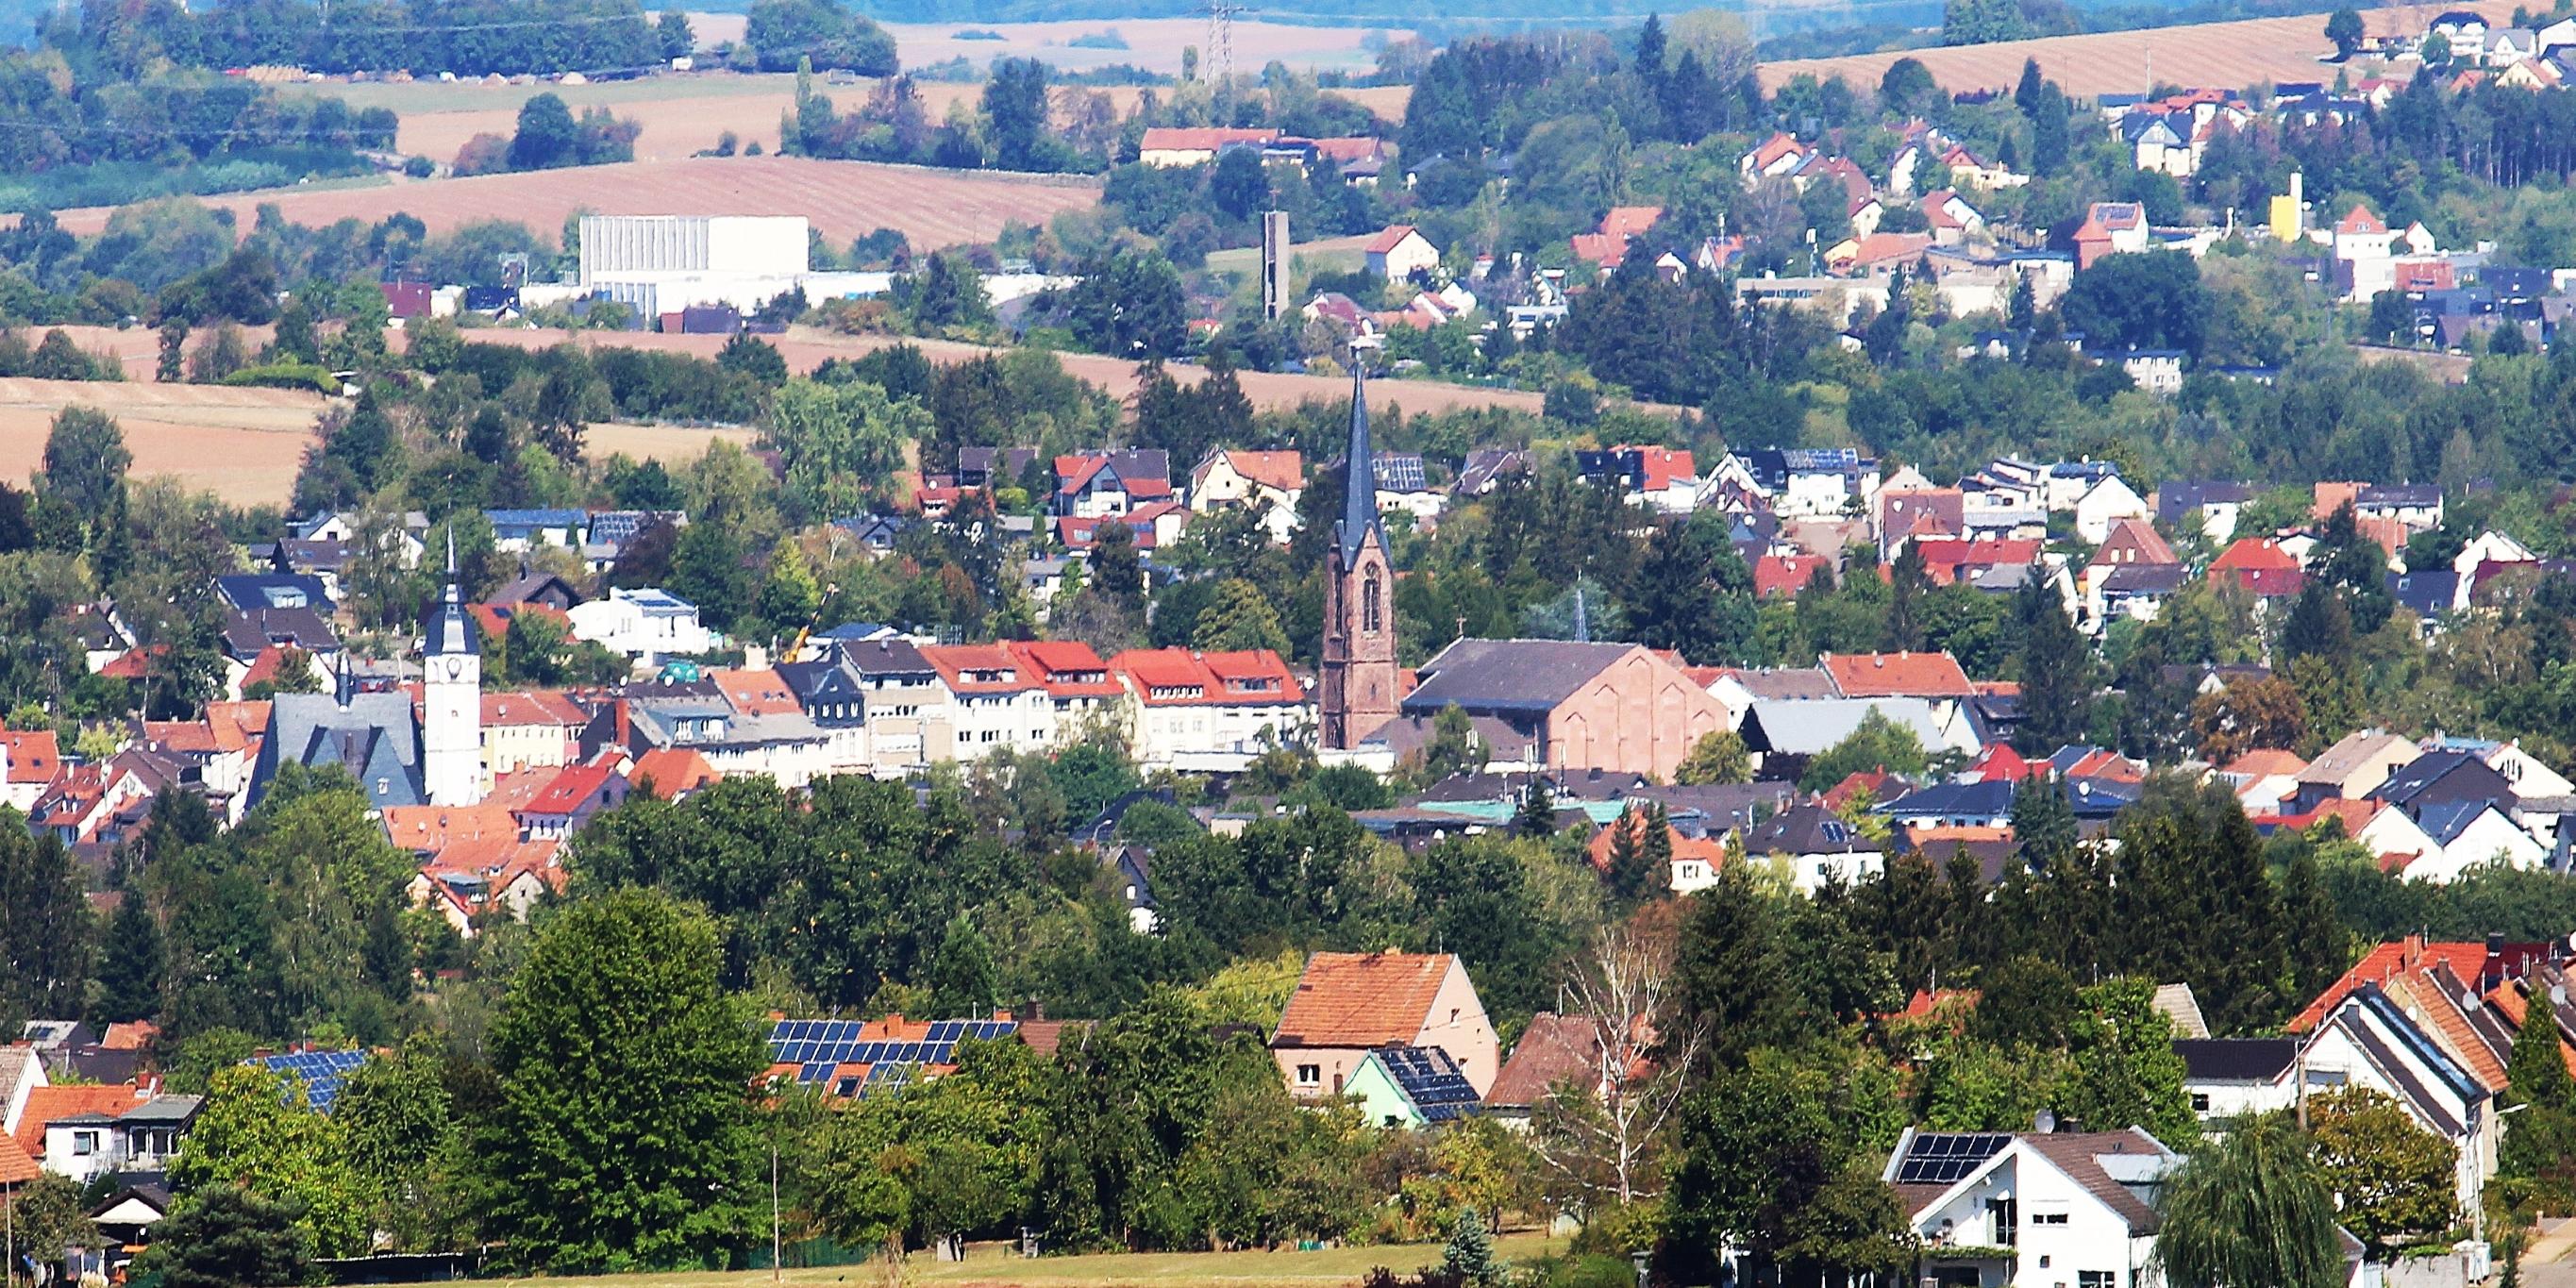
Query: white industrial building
(661, 264)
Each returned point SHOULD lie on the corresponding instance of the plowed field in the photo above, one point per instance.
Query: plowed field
(844, 199)
(2229, 55)
(242, 444)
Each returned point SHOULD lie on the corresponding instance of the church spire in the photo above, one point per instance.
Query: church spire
(1359, 472)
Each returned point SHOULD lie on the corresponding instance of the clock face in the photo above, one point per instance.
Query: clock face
(455, 668)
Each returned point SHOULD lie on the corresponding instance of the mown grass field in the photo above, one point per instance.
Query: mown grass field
(997, 1266)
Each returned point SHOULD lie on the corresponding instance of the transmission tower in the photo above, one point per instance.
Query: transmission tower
(1221, 16)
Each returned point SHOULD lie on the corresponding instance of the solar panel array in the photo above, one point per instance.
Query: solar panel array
(815, 1047)
(1943, 1157)
(1432, 1081)
(1400, 472)
(322, 1072)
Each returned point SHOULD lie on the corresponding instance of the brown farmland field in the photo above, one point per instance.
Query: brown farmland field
(672, 445)
(2229, 55)
(242, 444)
(844, 199)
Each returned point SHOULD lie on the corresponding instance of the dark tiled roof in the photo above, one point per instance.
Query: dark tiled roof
(2236, 1059)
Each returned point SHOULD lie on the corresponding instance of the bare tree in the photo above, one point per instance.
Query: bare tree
(1600, 1139)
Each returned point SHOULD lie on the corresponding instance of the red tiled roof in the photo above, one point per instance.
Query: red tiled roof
(16, 1168)
(1064, 668)
(2139, 539)
(1774, 148)
(1284, 470)
(1630, 221)
(2254, 554)
(2466, 960)
(1662, 465)
(756, 693)
(2360, 221)
(1881, 248)
(1388, 239)
(430, 829)
(1785, 574)
(953, 661)
(1599, 248)
(1897, 675)
(130, 1035)
(2263, 762)
(666, 772)
(1999, 763)
(1362, 999)
(1707, 849)
(573, 787)
(546, 707)
(1552, 1050)
(1871, 781)
(69, 1100)
(35, 756)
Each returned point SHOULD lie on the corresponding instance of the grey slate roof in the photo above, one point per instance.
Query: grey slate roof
(376, 738)
(1508, 675)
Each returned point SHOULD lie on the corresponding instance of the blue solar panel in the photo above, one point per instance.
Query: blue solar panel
(815, 1071)
(321, 1072)
(1943, 1158)
(1432, 1080)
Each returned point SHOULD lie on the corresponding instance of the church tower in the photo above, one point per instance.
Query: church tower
(451, 665)
(1358, 678)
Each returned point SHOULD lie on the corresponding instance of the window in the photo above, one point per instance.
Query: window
(1372, 607)
(2199, 1102)
(1310, 1075)
(2001, 1212)
(2097, 1279)
(2058, 1217)
(84, 1142)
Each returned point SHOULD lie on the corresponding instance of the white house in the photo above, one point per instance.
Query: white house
(1269, 483)
(2032, 1210)
(1818, 847)
(2106, 502)
(2231, 1077)
(2471, 834)
(2369, 1041)
(647, 625)
(1209, 711)
(1399, 252)
(2491, 546)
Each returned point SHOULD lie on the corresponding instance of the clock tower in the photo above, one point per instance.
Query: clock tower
(451, 665)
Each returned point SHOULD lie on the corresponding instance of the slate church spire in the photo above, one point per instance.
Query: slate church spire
(1358, 674)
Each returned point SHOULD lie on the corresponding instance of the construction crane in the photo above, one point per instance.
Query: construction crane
(796, 646)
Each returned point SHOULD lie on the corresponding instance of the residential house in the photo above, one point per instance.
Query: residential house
(1183, 146)
(2258, 566)
(2264, 778)
(1091, 485)
(2369, 1039)
(520, 531)
(786, 746)
(1800, 482)
(1553, 1051)
(1982, 803)
(1909, 514)
(536, 729)
(575, 793)
(649, 625)
(1210, 711)
(1607, 246)
(1563, 704)
(1695, 859)
(30, 761)
(2107, 501)
(1951, 218)
(1400, 252)
(1815, 847)
(86, 1131)
(910, 711)
(2228, 1078)
(2214, 503)
(1348, 1004)
(1404, 485)
(1779, 156)
(1268, 483)
(1664, 479)
(992, 704)
(2415, 506)
(2110, 228)
(1995, 1208)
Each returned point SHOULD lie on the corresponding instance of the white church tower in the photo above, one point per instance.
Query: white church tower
(452, 698)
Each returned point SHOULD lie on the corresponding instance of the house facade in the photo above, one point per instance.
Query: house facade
(1347, 1005)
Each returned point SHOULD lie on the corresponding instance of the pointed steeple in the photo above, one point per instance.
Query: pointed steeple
(1359, 473)
(447, 629)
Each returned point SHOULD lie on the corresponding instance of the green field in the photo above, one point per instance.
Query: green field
(997, 1264)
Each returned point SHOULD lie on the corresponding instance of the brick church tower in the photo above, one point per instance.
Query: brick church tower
(1358, 678)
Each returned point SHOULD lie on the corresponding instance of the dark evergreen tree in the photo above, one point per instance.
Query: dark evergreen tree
(2057, 671)
(1537, 817)
(2043, 821)
(130, 964)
